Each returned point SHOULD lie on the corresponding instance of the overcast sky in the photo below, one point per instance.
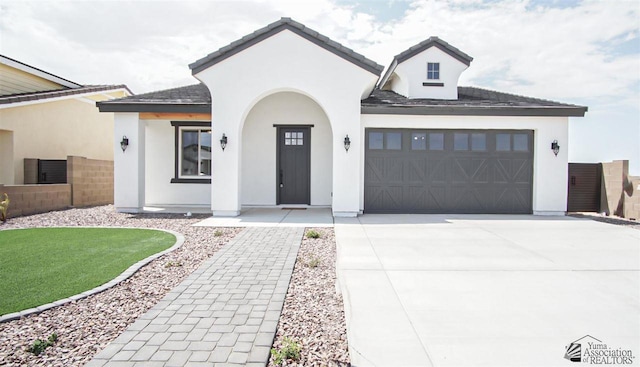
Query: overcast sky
(582, 52)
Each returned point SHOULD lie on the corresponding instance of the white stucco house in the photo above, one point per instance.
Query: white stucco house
(287, 117)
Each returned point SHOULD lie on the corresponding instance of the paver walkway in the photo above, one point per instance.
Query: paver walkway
(224, 314)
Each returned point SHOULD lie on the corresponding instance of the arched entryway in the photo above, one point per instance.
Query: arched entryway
(286, 153)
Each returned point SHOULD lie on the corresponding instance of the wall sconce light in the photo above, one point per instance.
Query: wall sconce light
(555, 147)
(124, 143)
(223, 142)
(347, 143)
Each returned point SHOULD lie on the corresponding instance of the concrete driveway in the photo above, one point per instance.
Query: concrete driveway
(486, 290)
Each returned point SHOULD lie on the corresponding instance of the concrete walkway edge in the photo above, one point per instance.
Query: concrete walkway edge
(224, 314)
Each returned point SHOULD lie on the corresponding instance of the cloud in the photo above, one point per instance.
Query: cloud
(528, 48)
(584, 52)
(525, 47)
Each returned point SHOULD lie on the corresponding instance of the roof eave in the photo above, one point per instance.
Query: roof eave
(439, 44)
(56, 95)
(154, 107)
(38, 72)
(387, 75)
(475, 111)
(210, 60)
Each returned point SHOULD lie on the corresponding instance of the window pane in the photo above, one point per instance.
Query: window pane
(189, 162)
(436, 141)
(520, 142)
(299, 135)
(205, 167)
(287, 135)
(394, 141)
(433, 70)
(478, 141)
(418, 141)
(205, 152)
(503, 142)
(300, 142)
(287, 141)
(461, 141)
(376, 140)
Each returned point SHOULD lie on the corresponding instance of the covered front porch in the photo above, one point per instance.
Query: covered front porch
(278, 216)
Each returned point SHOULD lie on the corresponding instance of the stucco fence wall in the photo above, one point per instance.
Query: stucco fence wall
(620, 192)
(89, 182)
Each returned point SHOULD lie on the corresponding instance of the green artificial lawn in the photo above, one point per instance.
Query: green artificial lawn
(42, 265)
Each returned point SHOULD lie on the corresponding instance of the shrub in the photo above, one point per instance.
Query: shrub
(313, 234)
(289, 350)
(171, 264)
(40, 345)
(218, 233)
(314, 262)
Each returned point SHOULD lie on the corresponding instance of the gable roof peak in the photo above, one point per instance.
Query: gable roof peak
(434, 41)
(285, 23)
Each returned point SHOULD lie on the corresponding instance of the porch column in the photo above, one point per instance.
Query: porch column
(129, 166)
(346, 164)
(225, 164)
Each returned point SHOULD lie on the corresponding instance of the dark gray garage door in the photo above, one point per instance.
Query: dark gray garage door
(448, 171)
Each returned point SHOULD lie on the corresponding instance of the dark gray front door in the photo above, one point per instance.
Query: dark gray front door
(448, 171)
(294, 162)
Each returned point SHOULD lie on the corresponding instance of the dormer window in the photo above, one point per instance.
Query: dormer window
(433, 70)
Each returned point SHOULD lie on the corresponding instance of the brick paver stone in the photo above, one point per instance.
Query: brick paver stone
(225, 313)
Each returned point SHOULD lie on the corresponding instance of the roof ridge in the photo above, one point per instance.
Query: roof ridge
(141, 95)
(434, 41)
(518, 95)
(471, 101)
(276, 27)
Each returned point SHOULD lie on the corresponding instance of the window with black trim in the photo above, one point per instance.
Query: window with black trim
(192, 152)
(195, 152)
(433, 70)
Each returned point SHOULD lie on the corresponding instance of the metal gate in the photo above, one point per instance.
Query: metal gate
(52, 171)
(584, 187)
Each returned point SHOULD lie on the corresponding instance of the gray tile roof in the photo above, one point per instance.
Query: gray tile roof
(276, 27)
(25, 97)
(434, 42)
(190, 99)
(471, 101)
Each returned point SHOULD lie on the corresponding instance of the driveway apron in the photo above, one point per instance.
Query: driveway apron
(485, 290)
(225, 313)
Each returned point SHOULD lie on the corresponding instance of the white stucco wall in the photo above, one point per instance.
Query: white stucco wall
(411, 73)
(160, 169)
(129, 166)
(549, 172)
(259, 184)
(285, 62)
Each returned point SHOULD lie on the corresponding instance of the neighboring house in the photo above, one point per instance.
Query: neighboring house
(44, 116)
(285, 116)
